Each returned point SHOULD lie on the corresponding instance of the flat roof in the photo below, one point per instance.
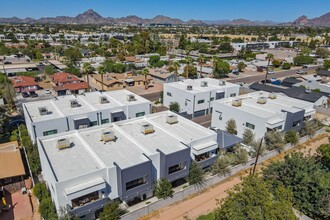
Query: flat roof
(71, 162)
(122, 151)
(271, 108)
(88, 102)
(213, 85)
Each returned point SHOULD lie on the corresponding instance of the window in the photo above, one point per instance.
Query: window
(104, 121)
(51, 132)
(249, 125)
(137, 182)
(233, 95)
(202, 157)
(93, 123)
(169, 94)
(83, 126)
(200, 101)
(139, 114)
(85, 199)
(212, 99)
(176, 168)
(295, 123)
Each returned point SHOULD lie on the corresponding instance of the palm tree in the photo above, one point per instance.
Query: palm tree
(101, 70)
(176, 66)
(269, 57)
(201, 61)
(145, 72)
(87, 69)
(188, 61)
(214, 63)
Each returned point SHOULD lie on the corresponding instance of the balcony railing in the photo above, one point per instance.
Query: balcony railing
(88, 207)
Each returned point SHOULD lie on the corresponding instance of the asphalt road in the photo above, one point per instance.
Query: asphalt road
(258, 78)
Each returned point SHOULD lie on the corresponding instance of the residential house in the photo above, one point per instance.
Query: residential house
(24, 84)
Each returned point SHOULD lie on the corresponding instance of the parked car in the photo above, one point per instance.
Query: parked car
(47, 91)
(301, 72)
(235, 71)
(275, 81)
(25, 95)
(271, 72)
(33, 94)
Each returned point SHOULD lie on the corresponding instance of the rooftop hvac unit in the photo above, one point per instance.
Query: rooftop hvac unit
(131, 98)
(74, 103)
(147, 128)
(107, 135)
(272, 96)
(172, 119)
(43, 110)
(237, 102)
(262, 100)
(203, 84)
(189, 87)
(308, 91)
(63, 143)
(103, 100)
(222, 83)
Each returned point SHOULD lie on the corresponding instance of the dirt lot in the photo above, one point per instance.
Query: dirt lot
(20, 207)
(205, 202)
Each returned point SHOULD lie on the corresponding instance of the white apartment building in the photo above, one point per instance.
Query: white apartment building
(195, 96)
(262, 112)
(85, 169)
(65, 113)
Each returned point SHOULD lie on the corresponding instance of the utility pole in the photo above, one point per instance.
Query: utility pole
(257, 157)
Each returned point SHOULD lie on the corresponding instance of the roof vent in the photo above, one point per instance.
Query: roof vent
(222, 83)
(262, 100)
(272, 96)
(131, 98)
(172, 119)
(147, 128)
(63, 143)
(203, 84)
(237, 102)
(43, 110)
(74, 103)
(107, 135)
(189, 87)
(103, 100)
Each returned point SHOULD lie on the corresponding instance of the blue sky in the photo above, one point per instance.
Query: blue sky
(280, 10)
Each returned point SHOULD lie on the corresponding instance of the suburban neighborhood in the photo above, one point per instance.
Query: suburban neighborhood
(161, 118)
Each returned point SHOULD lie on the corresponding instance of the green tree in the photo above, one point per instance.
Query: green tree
(248, 136)
(275, 140)
(231, 126)
(253, 199)
(47, 209)
(88, 69)
(222, 166)
(326, 64)
(201, 62)
(286, 66)
(309, 129)
(102, 70)
(302, 60)
(49, 70)
(269, 57)
(38, 55)
(324, 152)
(291, 137)
(222, 68)
(308, 181)
(175, 107)
(73, 55)
(153, 60)
(276, 63)
(322, 52)
(196, 175)
(40, 191)
(163, 189)
(145, 73)
(242, 155)
(241, 66)
(111, 211)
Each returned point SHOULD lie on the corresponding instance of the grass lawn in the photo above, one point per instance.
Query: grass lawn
(209, 216)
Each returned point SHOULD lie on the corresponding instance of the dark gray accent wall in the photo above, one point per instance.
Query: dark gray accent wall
(133, 173)
(292, 117)
(83, 121)
(219, 95)
(182, 156)
(119, 116)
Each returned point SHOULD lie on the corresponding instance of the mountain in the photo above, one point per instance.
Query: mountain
(323, 20)
(240, 22)
(92, 17)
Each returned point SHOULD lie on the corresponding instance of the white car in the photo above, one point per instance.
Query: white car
(47, 91)
(271, 72)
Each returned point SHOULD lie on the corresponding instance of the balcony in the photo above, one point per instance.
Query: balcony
(206, 161)
(89, 207)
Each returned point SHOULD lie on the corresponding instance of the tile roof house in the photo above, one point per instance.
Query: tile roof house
(63, 78)
(66, 83)
(24, 83)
